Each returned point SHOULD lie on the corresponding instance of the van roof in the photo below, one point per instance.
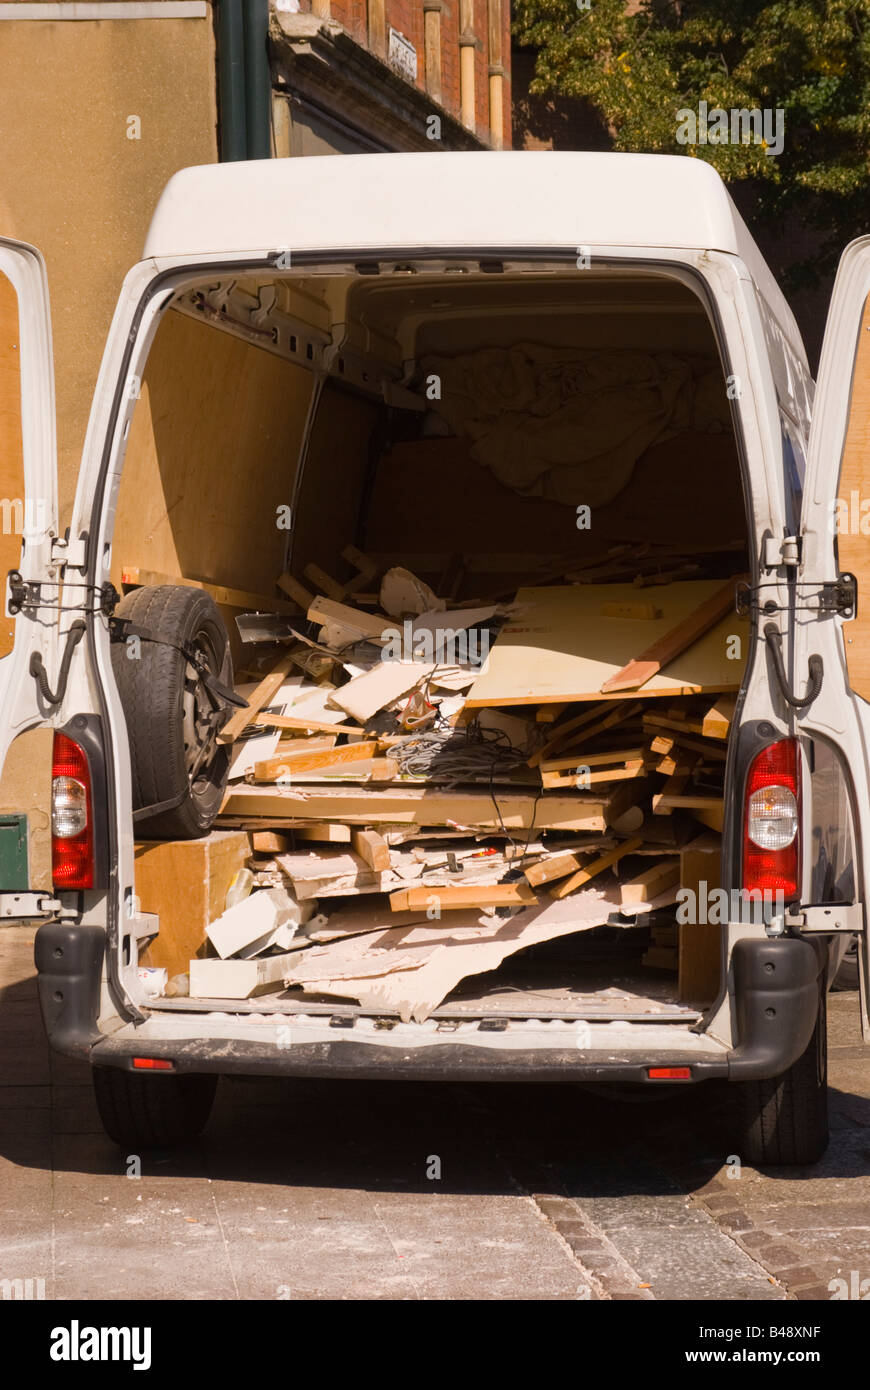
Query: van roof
(504, 199)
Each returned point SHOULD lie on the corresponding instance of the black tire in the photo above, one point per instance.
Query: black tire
(166, 708)
(785, 1118)
(152, 1112)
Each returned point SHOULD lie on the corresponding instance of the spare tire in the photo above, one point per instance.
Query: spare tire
(172, 716)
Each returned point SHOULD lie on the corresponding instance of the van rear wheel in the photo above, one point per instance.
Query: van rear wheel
(152, 1112)
(785, 1118)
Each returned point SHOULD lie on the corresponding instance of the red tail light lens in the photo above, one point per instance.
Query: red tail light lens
(72, 821)
(771, 834)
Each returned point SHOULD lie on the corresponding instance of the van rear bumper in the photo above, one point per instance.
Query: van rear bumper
(776, 995)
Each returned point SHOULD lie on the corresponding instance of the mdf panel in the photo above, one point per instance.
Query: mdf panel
(853, 547)
(211, 457)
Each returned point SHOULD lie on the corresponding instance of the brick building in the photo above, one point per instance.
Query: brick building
(356, 75)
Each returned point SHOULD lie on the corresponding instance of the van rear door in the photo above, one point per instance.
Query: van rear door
(30, 570)
(832, 610)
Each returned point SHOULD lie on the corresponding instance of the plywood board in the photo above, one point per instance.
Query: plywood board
(185, 882)
(210, 459)
(421, 806)
(560, 647)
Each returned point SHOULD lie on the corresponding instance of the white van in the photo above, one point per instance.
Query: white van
(263, 352)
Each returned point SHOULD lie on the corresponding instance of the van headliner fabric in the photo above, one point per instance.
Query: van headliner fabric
(570, 425)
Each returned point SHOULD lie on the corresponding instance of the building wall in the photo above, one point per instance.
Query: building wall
(407, 17)
(73, 182)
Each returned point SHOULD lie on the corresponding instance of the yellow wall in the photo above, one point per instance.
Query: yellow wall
(74, 184)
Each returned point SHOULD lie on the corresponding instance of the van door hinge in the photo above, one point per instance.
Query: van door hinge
(833, 917)
(70, 552)
(839, 596)
(782, 551)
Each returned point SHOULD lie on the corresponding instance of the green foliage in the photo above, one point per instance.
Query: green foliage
(811, 58)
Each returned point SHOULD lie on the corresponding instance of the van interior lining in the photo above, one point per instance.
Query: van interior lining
(463, 423)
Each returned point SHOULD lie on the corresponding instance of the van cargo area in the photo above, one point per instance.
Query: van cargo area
(490, 672)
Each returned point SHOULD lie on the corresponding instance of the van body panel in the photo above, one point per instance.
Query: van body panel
(839, 441)
(243, 218)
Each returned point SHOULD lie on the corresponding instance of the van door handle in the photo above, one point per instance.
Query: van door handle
(815, 670)
(37, 667)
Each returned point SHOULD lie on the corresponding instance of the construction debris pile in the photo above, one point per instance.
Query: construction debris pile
(429, 786)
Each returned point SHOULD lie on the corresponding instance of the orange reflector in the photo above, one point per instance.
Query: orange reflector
(153, 1064)
(669, 1073)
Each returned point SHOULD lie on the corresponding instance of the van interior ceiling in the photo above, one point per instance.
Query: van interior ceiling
(497, 826)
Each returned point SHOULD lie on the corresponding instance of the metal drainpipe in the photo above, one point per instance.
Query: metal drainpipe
(231, 80)
(258, 93)
(244, 79)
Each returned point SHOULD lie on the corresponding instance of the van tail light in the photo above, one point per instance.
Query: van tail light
(72, 816)
(771, 828)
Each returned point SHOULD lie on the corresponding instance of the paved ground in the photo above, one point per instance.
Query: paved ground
(322, 1190)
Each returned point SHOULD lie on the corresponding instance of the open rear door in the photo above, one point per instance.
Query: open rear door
(831, 622)
(29, 618)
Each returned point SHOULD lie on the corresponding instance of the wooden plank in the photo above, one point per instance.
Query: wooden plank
(289, 763)
(281, 841)
(372, 849)
(582, 728)
(670, 800)
(265, 691)
(679, 779)
(712, 816)
(674, 642)
(716, 721)
(421, 806)
(451, 899)
(287, 721)
(618, 755)
(582, 780)
(324, 582)
(548, 714)
(298, 592)
(553, 867)
(711, 750)
(605, 861)
(652, 881)
(362, 770)
(365, 625)
(233, 598)
(558, 647)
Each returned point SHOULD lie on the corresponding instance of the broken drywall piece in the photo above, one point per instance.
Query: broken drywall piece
(402, 595)
(461, 952)
(365, 695)
(237, 979)
(248, 925)
(331, 873)
(248, 751)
